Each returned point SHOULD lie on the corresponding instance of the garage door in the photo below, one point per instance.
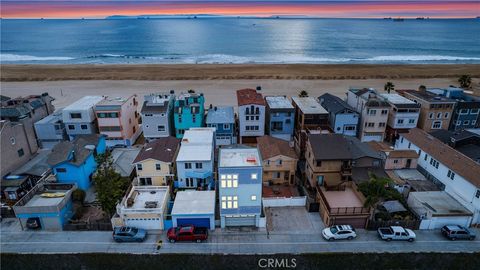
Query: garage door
(145, 223)
(198, 222)
(358, 223)
(370, 138)
(240, 221)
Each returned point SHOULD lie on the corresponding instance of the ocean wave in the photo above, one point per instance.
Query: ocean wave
(420, 58)
(18, 57)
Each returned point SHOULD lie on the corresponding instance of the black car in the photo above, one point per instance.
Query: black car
(33, 223)
(454, 232)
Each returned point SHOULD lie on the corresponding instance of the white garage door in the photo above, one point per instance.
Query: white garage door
(145, 223)
(240, 221)
(223, 140)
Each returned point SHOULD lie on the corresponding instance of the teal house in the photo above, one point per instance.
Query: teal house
(74, 162)
(188, 112)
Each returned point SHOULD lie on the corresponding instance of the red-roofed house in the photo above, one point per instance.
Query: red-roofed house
(251, 114)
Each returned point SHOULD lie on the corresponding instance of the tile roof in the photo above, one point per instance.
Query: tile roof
(334, 104)
(270, 147)
(339, 147)
(453, 159)
(162, 149)
(249, 96)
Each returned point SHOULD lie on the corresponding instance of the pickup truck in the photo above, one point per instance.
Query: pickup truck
(396, 233)
(187, 233)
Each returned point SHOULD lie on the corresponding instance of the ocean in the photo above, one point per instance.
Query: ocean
(239, 40)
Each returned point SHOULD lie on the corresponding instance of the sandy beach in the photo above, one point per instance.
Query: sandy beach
(218, 92)
(234, 72)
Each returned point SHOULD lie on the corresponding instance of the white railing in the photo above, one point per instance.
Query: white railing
(284, 201)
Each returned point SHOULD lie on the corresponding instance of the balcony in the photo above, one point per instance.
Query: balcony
(346, 170)
(342, 203)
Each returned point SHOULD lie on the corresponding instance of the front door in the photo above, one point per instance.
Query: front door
(409, 163)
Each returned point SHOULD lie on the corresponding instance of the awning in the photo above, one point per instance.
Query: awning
(197, 174)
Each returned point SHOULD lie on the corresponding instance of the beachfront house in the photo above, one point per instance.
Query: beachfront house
(188, 112)
(155, 164)
(465, 142)
(453, 172)
(51, 130)
(435, 111)
(251, 115)
(74, 161)
(240, 186)
(195, 159)
(466, 111)
(342, 117)
(157, 115)
(26, 111)
(310, 117)
(79, 117)
(279, 161)
(402, 117)
(118, 120)
(373, 113)
(280, 117)
(223, 120)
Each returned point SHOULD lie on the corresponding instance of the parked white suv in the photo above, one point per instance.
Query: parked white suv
(338, 232)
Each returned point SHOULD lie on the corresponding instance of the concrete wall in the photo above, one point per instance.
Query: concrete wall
(283, 201)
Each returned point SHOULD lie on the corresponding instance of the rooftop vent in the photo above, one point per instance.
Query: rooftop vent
(251, 159)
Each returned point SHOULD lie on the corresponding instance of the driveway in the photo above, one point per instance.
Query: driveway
(292, 220)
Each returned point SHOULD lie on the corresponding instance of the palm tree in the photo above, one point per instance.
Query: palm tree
(303, 93)
(389, 86)
(375, 190)
(465, 81)
(191, 91)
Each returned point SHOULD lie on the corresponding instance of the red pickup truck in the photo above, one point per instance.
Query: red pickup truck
(187, 233)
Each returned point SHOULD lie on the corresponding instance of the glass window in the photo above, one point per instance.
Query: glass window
(61, 170)
(20, 152)
(139, 167)
(83, 126)
(75, 115)
(161, 128)
(158, 167)
(188, 165)
(71, 127)
(253, 197)
(436, 124)
(254, 176)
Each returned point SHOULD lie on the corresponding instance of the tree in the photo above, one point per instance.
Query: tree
(422, 88)
(109, 184)
(374, 190)
(465, 81)
(389, 86)
(303, 93)
(191, 91)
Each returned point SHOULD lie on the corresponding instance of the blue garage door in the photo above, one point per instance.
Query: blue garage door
(199, 222)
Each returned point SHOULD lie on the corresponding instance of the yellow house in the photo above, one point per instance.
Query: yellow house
(279, 160)
(155, 164)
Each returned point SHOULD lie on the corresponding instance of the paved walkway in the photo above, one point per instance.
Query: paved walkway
(223, 242)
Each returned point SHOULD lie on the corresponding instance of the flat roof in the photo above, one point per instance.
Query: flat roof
(119, 100)
(278, 102)
(309, 105)
(194, 202)
(148, 194)
(239, 157)
(84, 103)
(396, 99)
(197, 144)
(220, 115)
(339, 199)
(438, 202)
(37, 200)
